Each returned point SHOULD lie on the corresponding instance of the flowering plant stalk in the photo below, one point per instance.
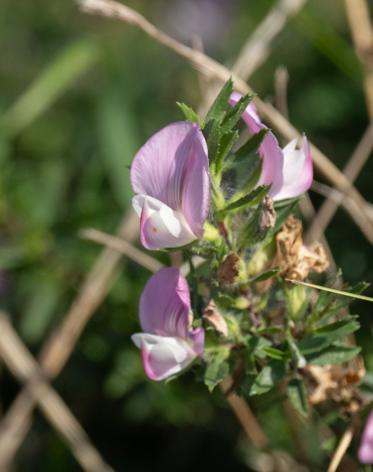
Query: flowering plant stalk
(224, 191)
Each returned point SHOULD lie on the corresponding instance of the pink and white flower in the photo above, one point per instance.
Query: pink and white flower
(170, 176)
(289, 171)
(169, 343)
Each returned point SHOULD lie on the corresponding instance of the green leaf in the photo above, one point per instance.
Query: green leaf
(297, 395)
(234, 113)
(274, 353)
(270, 376)
(190, 114)
(334, 355)
(327, 335)
(249, 149)
(225, 146)
(217, 368)
(250, 200)
(265, 275)
(295, 353)
(218, 108)
(214, 135)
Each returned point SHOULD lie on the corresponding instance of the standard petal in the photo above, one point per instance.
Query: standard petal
(273, 163)
(161, 226)
(195, 200)
(163, 165)
(297, 171)
(269, 150)
(165, 304)
(163, 356)
(366, 445)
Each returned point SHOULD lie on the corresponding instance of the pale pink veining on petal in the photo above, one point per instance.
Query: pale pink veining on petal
(168, 344)
(170, 176)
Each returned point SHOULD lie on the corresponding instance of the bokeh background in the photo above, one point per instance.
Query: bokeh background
(78, 96)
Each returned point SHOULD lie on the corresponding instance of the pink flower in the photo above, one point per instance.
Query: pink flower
(289, 171)
(170, 175)
(366, 446)
(168, 344)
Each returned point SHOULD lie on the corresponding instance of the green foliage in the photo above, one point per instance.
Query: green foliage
(217, 369)
(298, 396)
(190, 114)
(72, 114)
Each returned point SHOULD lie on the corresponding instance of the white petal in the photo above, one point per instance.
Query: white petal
(161, 226)
(163, 356)
(297, 171)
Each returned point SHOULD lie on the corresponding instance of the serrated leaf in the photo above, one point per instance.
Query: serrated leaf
(190, 114)
(218, 108)
(335, 354)
(250, 200)
(234, 114)
(297, 395)
(224, 148)
(213, 134)
(249, 149)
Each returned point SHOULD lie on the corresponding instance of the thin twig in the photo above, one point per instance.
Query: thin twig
(335, 198)
(244, 414)
(26, 369)
(59, 346)
(362, 34)
(258, 45)
(281, 90)
(123, 247)
(257, 48)
(341, 448)
(208, 65)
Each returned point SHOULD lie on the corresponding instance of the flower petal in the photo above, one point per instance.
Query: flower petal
(163, 356)
(165, 304)
(195, 199)
(197, 337)
(297, 171)
(269, 150)
(161, 226)
(366, 446)
(172, 167)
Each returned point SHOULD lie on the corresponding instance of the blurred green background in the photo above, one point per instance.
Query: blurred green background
(78, 96)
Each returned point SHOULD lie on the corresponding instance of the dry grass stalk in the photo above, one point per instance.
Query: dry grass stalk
(352, 169)
(206, 64)
(342, 447)
(257, 47)
(123, 247)
(59, 346)
(362, 34)
(25, 368)
(244, 415)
